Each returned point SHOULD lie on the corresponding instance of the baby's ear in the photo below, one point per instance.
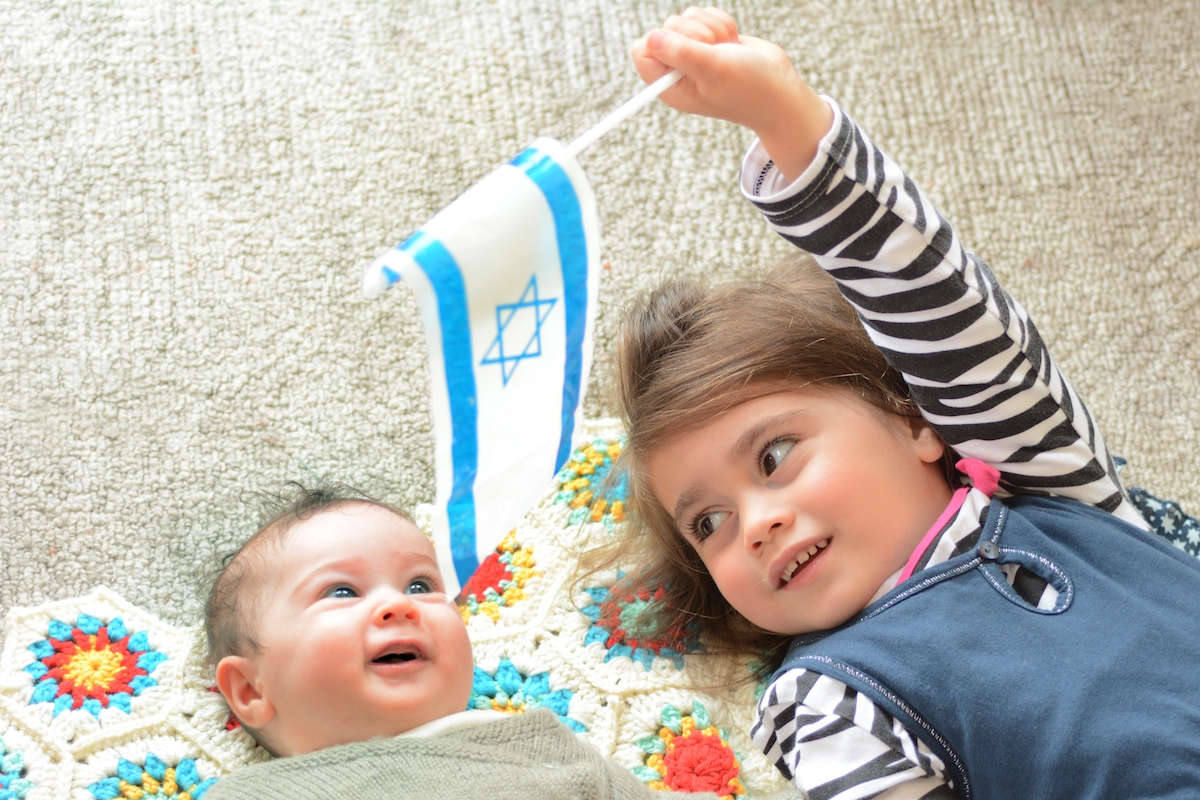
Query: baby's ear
(238, 681)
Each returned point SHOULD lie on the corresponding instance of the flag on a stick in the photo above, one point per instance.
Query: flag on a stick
(506, 277)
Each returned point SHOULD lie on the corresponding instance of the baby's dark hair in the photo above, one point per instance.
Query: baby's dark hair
(233, 596)
(689, 352)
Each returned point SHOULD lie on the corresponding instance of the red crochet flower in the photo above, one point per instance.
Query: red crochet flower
(92, 666)
(487, 576)
(690, 754)
(700, 763)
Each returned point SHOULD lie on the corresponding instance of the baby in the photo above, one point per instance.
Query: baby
(336, 644)
(332, 625)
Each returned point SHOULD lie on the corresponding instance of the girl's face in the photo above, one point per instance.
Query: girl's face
(802, 503)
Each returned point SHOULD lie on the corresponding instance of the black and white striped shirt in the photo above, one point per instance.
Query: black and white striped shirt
(983, 378)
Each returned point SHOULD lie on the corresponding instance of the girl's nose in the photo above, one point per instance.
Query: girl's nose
(764, 519)
(396, 606)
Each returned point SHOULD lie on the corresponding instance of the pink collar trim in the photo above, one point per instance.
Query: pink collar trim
(984, 477)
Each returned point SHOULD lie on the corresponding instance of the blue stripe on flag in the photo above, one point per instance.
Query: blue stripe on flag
(556, 186)
(444, 274)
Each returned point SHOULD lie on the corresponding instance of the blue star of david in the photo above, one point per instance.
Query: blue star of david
(519, 330)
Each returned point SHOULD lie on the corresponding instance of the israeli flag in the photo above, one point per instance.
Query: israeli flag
(507, 279)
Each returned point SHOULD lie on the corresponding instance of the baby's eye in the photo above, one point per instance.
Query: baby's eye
(706, 525)
(774, 454)
(341, 592)
(421, 586)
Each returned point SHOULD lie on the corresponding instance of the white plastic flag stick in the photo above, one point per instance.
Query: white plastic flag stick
(634, 105)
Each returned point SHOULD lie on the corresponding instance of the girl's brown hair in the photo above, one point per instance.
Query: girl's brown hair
(687, 353)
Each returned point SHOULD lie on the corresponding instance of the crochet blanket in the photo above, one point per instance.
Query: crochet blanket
(101, 699)
(189, 193)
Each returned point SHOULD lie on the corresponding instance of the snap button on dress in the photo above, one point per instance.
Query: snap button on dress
(988, 551)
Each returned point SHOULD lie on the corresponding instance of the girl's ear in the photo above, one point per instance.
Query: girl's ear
(238, 681)
(928, 446)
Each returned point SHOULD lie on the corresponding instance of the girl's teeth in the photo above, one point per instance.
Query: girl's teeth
(794, 566)
(803, 559)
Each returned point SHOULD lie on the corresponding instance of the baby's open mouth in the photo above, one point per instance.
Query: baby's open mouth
(397, 654)
(802, 560)
(395, 658)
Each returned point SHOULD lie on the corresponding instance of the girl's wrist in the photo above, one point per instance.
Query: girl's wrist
(793, 134)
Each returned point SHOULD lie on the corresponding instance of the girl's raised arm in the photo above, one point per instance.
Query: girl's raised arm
(970, 353)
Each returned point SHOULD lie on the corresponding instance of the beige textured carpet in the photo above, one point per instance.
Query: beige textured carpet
(189, 192)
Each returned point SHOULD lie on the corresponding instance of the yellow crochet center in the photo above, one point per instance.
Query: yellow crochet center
(87, 668)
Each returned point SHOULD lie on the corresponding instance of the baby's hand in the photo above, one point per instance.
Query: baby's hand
(742, 79)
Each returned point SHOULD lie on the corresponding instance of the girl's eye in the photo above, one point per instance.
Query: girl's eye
(707, 524)
(774, 453)
(421, 586)
(341, 592)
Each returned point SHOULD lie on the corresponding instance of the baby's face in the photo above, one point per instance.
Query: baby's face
(359, 639)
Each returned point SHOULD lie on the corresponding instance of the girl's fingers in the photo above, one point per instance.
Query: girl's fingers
(727, 20)
(694, 59)
(645, 57)
(693, 43)
(720, 25)
(677, 52)
(696, 29)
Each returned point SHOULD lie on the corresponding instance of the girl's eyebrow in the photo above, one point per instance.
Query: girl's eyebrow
(741, 448)
(685, 500)
(745, 443)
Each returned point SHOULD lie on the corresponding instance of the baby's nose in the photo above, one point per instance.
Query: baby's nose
(395, 607)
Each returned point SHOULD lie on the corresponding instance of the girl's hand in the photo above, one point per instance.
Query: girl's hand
(742, 79)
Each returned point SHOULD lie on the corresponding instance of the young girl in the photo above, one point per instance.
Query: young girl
(925, 510)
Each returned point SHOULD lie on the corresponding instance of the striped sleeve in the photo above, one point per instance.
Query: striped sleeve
(970, 353)
(835, 744)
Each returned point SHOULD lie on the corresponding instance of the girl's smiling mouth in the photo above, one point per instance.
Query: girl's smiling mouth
(801, 561)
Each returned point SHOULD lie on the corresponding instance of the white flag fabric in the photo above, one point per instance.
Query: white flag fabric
(507, 279)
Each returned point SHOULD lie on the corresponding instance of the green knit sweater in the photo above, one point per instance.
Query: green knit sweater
(523, 756)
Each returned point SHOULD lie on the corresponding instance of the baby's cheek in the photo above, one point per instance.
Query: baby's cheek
(464, 674)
